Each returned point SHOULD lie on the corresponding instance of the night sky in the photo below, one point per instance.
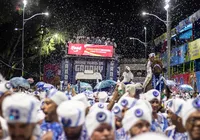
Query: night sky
(110, 18)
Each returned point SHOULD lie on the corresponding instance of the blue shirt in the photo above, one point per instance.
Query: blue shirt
(55, 128)
(160, 124)
(173, 135)
(120, 134)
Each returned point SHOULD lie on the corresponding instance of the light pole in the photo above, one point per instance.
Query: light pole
(144, 43)
(168, 25)
(24, 22)
(145, 32)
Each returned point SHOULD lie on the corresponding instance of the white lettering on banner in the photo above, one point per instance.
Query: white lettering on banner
(80, 62)
(111, 69)
(82, 68)
(118, 71)
(66, 70)
(66, 77)
(76, 48)
(66, 61)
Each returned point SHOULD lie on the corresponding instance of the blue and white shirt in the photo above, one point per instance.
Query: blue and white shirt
(55, 128)
(160, 124)
(120, 134)
(173, 135)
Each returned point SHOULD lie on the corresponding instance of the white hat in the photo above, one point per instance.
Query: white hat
(143, 102)
(51, 92)
(81, 97)
(189, 107)
(128, 68)
(71, 113)
(136, 113)
(58, 97)
(151, 55)
(175, 105)
(102, 96)
(131, 88)
(5, 86)
(117, 110)
(126, 101)
(20, 108)
(152, 94)
(150, 136)
(98, 106)
(97, 117)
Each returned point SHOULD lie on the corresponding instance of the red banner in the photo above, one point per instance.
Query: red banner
(90, 50)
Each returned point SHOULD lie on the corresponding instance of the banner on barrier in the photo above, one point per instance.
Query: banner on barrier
(194, 49)
(90, 50)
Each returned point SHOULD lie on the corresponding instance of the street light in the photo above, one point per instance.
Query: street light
(144, 43)
(24, 22)
(168, 25)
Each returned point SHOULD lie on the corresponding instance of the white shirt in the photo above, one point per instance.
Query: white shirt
(149, 71)
(127, 76)
(4, 128)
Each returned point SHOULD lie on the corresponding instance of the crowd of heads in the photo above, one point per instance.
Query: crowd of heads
(93, 40)
(47, 113)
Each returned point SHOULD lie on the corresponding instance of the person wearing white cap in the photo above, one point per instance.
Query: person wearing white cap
(175, 131)
(20, 110)
(149, 70)
(138, 119)
(100, 124)
(72, 117)
(120, 134)
(191, 118)
(102, 96)
(119, 109)
(127, 76)
(51, 123)
(159, 121)
(5, 90)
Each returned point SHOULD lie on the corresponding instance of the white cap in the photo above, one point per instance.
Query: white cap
(175, 105)
(5, 86)
(71, 113)
(189, 107)
(150, 136)
(126, 102)
(151, 55)
(152, 94)
(20, 108)
(102, 96)
(81, 97)
(131, 88)
(117, 110)
(97, 117)
(143, 102)
(58, 97)
(136, 113)
(128, 68)
(98, 106)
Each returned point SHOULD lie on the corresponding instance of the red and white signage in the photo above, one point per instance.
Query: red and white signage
(90, 50)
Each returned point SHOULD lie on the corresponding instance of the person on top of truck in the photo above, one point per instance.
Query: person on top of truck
(149, 71)
(127, 76)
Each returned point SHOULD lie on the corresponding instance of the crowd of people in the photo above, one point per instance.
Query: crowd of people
(93, 40)
(126, 114)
